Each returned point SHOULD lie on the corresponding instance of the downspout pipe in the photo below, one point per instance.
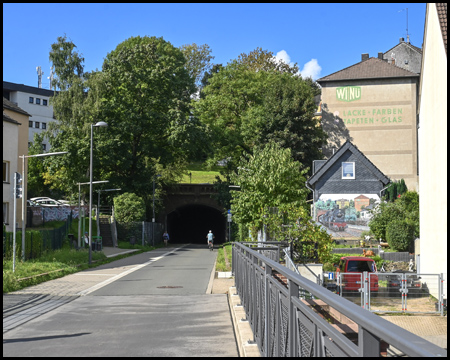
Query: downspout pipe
(314, 200)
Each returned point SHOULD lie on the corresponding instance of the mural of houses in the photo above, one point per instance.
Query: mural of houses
(344, 186)
(361, 201)
(342, 203)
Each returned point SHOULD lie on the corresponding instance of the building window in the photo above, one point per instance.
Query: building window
(31, 100)
(36, 124)
(348, 170)
(44, 147)
(30, 124)
(5, 213)
(44, 126)
(6, 171)
(44, 102)
(38, 101)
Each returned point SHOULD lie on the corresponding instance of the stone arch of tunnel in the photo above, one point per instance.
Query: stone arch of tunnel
(191, 223)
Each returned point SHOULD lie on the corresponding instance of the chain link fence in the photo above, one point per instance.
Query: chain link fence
(140, 232)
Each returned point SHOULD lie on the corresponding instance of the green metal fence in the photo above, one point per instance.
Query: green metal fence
(36, 241)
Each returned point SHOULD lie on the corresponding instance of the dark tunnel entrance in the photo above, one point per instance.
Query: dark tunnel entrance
(191, 223)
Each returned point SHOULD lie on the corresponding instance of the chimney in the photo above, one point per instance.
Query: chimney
(380, 55)
(401, 40)
(364, 57)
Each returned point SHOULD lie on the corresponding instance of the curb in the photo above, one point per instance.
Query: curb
(242, 329)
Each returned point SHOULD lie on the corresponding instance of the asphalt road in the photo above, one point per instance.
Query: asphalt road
(159, 308)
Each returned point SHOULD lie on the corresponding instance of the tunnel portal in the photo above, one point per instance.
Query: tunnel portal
(191, 223)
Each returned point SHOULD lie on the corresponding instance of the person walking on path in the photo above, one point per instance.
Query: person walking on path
(210, 240)
(165, 238)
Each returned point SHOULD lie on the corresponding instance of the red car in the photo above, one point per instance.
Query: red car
(357, 265)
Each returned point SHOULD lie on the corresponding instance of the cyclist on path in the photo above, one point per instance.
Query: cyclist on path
(210, 240)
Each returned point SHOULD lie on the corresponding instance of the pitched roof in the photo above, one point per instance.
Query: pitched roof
(372, 68)
(335, 157)
(13, 107)
(442, 15)
(404, 43)
(10, 119)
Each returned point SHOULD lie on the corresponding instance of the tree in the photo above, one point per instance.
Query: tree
(404, 210)
(143, 93)
(263, 60)
(269, 178)
(198, 61)
(146, 101)
(243, 107)
(67, 63)
(128, 208)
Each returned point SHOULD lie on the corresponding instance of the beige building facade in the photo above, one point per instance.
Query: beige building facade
(15, 143)
(374, 104)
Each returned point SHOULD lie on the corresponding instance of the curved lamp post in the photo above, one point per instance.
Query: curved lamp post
(100, 123)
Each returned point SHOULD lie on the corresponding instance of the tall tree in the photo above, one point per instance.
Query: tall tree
(198, 61)
(268, 178)
(245, 107)
(143, 94)
(263, 60)
(67, 63)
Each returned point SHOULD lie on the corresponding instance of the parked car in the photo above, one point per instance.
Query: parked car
(413, 283)
(31, 203)
(46, 201)
(349, 265)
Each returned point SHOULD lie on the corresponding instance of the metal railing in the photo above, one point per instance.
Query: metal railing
(285, 325)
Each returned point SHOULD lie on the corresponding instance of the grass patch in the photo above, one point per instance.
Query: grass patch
(200, 174)
(221, 264)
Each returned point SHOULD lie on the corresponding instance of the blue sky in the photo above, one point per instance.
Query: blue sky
(320, 38)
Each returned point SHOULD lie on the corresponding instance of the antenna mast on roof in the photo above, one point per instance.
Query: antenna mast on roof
(407, 35)
(40, 73)
(51, 77)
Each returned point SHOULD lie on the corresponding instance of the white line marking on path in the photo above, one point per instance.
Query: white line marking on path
(129, 271)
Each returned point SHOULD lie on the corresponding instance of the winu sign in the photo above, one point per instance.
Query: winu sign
(348, 93)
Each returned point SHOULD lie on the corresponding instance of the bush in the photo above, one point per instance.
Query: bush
(400, 235)
(128, 208)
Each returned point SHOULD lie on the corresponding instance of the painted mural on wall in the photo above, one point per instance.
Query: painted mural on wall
(344, 212)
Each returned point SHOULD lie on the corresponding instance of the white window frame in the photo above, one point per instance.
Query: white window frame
(347, 175)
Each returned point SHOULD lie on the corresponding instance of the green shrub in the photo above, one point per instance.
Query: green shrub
(400, 235)
(128, 208)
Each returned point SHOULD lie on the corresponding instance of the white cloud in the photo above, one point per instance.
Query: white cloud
(311, 68)
(283, 55)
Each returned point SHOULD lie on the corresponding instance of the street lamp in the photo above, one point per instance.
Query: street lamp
(100, 123)
(153, 219)
(79, 205)
(24, 192)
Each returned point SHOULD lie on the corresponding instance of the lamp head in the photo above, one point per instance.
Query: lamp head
(100, 123)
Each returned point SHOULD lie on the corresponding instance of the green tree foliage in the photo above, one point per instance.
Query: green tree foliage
(400, 235)
(129, 207)
(263, 60)
(395, 189)
(269, 178)
(254, 100)
(198, 61)
(67, 63)
(143, 93)
(404, 211)
(289, 222)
